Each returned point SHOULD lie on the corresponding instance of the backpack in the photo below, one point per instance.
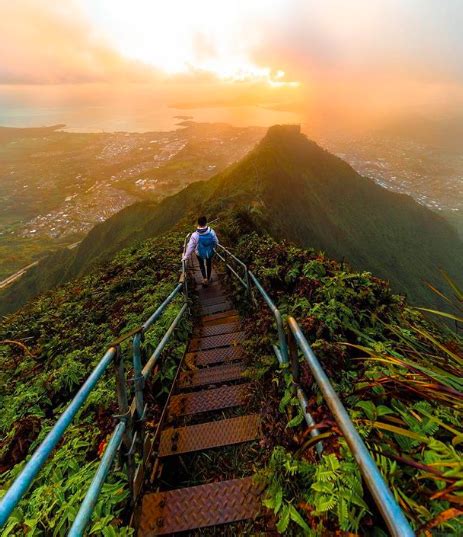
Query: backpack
(206, 244)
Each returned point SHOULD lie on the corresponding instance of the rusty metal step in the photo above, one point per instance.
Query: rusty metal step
(214, 288)
(205, 401)
(213, 356)
(209, 435)
(201, 506)
(216, 308)
(215, 330)
(213, 300)
(212, 342)
(211, 375)
(219, 318)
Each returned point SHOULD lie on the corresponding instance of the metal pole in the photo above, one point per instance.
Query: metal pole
(122, 398)
(314, 432)
(139, 379)
(277, 315)
(293, 357)
(153, 358)
(392, 514)
(248, 284)
(41, 454)
(88, 505)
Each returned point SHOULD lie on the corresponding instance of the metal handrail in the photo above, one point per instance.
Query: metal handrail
(88, 505)
(139, 378)
(280, 350)
(384, 499)
(89, 502)
(41, 454)
(26, 477)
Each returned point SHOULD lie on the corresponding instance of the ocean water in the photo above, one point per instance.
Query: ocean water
(98, 111)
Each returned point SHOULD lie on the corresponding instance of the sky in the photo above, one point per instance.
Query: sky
(356, 61)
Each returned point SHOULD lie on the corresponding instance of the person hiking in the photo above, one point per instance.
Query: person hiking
(203, 242)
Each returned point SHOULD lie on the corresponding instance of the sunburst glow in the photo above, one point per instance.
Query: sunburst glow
(180, 36)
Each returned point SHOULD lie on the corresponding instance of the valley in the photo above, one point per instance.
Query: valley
(55, 186)
(431, 175)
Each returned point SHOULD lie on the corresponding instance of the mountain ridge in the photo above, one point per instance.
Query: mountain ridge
(302, 193)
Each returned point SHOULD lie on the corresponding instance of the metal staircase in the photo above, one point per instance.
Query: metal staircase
(209, 382)
(204, 387)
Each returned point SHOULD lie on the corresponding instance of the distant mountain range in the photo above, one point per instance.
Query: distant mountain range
(300, 192)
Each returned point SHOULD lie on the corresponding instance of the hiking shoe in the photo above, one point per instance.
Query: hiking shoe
(205, 282)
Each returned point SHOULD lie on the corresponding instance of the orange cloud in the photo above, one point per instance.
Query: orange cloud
(52, 43)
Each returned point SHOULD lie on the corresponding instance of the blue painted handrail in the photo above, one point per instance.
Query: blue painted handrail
(384, 499)
(41, 454)
(281, 350)
(88, 505)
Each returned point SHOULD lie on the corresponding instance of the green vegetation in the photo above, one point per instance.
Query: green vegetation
(46, 351)
(398, 374)
(399, 377)
(301, 193)
(55, 186)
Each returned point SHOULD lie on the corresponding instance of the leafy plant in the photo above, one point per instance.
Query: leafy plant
(59, 338)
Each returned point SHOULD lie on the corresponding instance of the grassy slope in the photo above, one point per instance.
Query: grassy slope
(389, 372)
(47, 349)
(66, 330)
(304, 194)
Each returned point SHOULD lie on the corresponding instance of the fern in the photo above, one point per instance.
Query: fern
(337, 489)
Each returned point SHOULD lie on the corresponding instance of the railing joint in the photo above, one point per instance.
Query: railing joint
(138, 382)
(122, 417)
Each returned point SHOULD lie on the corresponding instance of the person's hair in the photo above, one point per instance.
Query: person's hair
(202, 221)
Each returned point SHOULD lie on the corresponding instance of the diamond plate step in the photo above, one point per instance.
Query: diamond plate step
(199, 507)
(217, 318)
(213, 300)
(208, 400)
(216, 308)
(213, 289)
(214, 356)
(212, 375)
(209, 435)
(215, 330)
(212, 342)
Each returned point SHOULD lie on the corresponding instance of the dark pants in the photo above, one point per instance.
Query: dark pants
(205, 265)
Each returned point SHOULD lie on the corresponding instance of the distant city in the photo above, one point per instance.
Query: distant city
(432, 177)
(54, 188)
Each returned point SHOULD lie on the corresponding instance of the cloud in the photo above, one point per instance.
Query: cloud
(359, 58)
(366, 57)
(46, 42)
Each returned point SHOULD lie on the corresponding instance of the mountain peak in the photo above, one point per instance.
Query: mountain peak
(282, 131)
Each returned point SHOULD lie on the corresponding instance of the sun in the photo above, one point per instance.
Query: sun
(181, 36)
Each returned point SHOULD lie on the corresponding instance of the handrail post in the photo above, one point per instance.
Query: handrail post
(281, 335)
(185, 280)
(293, 357)
(248, 282)
(123, 402)
(138, 379)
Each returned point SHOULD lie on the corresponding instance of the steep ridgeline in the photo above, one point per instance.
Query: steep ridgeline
(299, 192)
